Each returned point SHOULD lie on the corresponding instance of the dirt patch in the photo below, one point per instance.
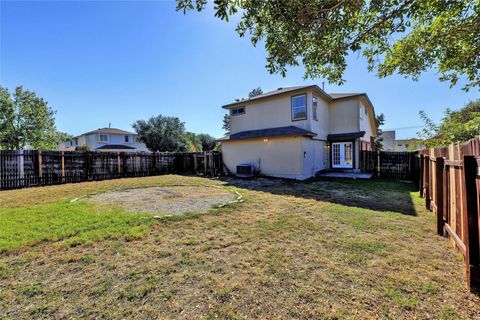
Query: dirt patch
(168, 200)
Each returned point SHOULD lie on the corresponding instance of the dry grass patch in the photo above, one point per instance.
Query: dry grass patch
(283, 254)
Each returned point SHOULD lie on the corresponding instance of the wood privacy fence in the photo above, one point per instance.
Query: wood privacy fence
(28, 168)
(450, 182)
(393, 165)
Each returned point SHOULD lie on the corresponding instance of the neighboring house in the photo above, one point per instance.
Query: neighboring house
(297, 132)
(409, 145)
(105, 139)
(388, 140)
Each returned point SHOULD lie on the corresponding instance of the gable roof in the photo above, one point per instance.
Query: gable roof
(270, 132)
(108, 131)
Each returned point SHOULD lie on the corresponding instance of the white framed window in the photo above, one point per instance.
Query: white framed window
(103, 137)
(299, 107)
(237, 111)
(127, 138)
(314, 108)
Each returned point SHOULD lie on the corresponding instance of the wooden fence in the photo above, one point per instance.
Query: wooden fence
(28, 168)
(450, 182)
(393, 165)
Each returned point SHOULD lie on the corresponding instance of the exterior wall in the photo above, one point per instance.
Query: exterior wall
(388, 140)
(322, 126)
(315, 156)
(277, 157)
(93, 142)
(365, 124)
(343, 116)
(408, 145)
(270, 113)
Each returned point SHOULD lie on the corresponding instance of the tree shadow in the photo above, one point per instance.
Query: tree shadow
(375, 194)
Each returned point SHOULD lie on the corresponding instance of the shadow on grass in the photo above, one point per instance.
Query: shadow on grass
(375, 194)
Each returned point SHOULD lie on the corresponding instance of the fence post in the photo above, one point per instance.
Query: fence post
(40, 169)
(63, 166)
(471, 200)
(427, 181)
(420, 174)
(439, 168)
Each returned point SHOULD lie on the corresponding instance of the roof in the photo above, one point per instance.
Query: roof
(114, 147)
(270, 132)
(276, 92)
(346, 135)
(344, 95)
(108, 131)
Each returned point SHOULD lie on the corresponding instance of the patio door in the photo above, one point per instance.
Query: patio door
(342, 155)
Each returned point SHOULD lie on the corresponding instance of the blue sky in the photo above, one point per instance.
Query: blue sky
(101, 62)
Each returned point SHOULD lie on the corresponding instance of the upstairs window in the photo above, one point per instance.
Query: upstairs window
(103, 138)
(299, 107)
(314, 108)
(127, 139)
(237, 111)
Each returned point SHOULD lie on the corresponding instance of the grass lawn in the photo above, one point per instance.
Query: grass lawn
(317, 250)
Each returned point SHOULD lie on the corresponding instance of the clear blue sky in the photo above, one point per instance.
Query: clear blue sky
(97, 62)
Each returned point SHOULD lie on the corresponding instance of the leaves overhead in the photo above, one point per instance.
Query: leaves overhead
(406, 37)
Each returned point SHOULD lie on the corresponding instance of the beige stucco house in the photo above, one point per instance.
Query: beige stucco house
(297, 132)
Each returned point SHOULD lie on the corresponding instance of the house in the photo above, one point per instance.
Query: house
(388, 140)
(412, 144)
(297, 132)
(105, 139)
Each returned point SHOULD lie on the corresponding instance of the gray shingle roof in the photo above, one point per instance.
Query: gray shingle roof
(114, 147)
(270, 132)
(346, 135)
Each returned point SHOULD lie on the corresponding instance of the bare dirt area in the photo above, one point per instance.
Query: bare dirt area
(167, 200)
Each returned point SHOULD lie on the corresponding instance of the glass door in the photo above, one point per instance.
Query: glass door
(342, 155)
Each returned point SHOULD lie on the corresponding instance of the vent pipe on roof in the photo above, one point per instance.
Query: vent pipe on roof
(109, 124)
(323, 85)
(279, 88)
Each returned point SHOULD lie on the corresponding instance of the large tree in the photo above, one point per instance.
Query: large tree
(395, 36)
(26, 121)
(161, 133)
(208, 142)
(456, 126)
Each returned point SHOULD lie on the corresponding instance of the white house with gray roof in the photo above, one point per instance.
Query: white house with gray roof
(105, 139)
(297, 132)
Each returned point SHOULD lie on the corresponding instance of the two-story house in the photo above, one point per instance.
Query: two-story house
(105, 139)
(297, 132)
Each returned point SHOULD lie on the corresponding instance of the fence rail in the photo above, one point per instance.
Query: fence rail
(28, 168)
(393, 165)
(450, 183)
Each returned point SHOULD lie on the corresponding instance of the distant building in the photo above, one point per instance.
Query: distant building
(105, 139)
(388, 140)
(409, 145)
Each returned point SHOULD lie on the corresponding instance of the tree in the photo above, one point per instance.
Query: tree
(208, 142)
(395, 36)
(255, 92)
(226, 123)
(192, 142)
(26, 121)
(161, 133)
(378, 142)
(456, 126)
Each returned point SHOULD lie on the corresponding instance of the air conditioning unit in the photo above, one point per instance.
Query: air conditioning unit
(246, 170)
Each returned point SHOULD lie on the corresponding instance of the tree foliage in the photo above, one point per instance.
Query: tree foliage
(207, 141)
(395, 36)
(255, 92)
(226, 123)
(192, 142)
(161, 133)
(26, 121)
(456, 126)
(378, 142)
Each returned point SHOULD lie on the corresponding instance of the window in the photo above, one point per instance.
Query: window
(299, 107)
(314, 108)
(406, 146)
(127, 138)
(103, 138)
(76, 141)
(237, 111)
